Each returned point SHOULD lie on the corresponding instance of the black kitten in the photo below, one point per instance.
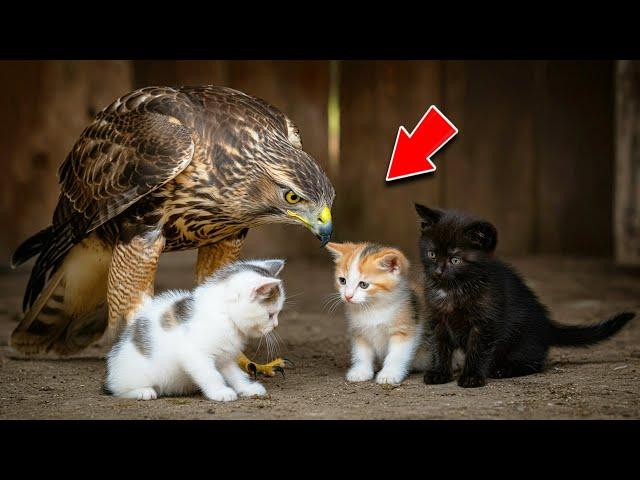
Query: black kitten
(480, 304)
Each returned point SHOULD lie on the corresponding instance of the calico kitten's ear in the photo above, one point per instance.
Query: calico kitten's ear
(393, 262)
(336, 249)
(428, 216)
(274, 267)
(266, 290)
(482, 235)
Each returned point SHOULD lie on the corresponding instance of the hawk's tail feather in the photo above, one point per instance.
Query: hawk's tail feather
(47, 326)
(58, 243)
(82, 331)
(44, 321)
(31, 247)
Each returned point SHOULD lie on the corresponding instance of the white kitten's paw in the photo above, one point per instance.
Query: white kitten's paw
(224, 394)
(253, 389)
(359, 374)
(390, 377)
(146, 393)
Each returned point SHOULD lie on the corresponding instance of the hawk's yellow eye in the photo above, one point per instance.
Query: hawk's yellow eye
(292, 197)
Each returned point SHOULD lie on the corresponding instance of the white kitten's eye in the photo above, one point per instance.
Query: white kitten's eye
(342, 280)
(271, 316)
(363, 285)
(431, 254)
(455, 260)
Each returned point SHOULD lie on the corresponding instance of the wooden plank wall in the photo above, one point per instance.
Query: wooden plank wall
(490, 167)
(45, 107)
(534, 153)
(627, 179)
(574, 157)
(375, 99)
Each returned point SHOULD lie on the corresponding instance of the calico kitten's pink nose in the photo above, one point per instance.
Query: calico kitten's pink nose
(348, 297)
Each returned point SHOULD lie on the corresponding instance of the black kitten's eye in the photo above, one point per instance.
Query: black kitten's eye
(455, 260)
(363, 285)
(342, 280)
(431, 254)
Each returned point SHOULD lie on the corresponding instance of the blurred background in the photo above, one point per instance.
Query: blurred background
(547, 150)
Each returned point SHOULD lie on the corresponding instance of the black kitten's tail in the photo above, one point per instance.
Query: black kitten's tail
(574, 336)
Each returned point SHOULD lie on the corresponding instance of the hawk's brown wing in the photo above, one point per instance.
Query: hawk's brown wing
(122, 156)
(118, 159)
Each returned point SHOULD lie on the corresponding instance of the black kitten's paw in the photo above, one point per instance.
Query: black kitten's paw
(437, 378)
(472, 381)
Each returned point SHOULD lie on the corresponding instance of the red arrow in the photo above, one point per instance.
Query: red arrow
(413, 151)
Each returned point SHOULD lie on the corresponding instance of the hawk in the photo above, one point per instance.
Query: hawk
(161, 169)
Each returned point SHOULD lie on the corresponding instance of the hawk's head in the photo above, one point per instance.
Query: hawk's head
(262, 172)
(292, 188)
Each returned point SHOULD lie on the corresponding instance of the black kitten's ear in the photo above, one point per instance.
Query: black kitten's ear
(429, 217)
(482, 235)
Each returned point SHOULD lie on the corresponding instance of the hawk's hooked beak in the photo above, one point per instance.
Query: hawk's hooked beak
(321, 227)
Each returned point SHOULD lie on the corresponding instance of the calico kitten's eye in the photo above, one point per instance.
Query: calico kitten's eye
(292, 197)
(363, 285)
(455, 260)
(342, 280)
(431, 254)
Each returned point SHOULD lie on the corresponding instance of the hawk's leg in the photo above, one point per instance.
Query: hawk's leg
(211, 258)
(216, 255)
(131, 276)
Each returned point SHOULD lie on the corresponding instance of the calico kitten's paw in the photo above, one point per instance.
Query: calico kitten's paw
(252, 390)
(224, 394)
(359, 374)
(389, 377)
(472, 381)
(437, 378)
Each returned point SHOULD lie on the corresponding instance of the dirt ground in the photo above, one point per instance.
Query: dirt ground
(602, 382)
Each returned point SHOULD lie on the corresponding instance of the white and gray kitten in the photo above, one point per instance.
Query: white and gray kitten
(181, 342)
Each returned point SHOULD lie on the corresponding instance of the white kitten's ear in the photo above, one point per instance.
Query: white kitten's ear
(274, 267)
(266, 289)
(393, 262)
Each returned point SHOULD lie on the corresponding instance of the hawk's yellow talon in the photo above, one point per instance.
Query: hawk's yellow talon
(268, 369)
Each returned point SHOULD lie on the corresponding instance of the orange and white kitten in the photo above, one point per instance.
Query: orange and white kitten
(383, 311)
